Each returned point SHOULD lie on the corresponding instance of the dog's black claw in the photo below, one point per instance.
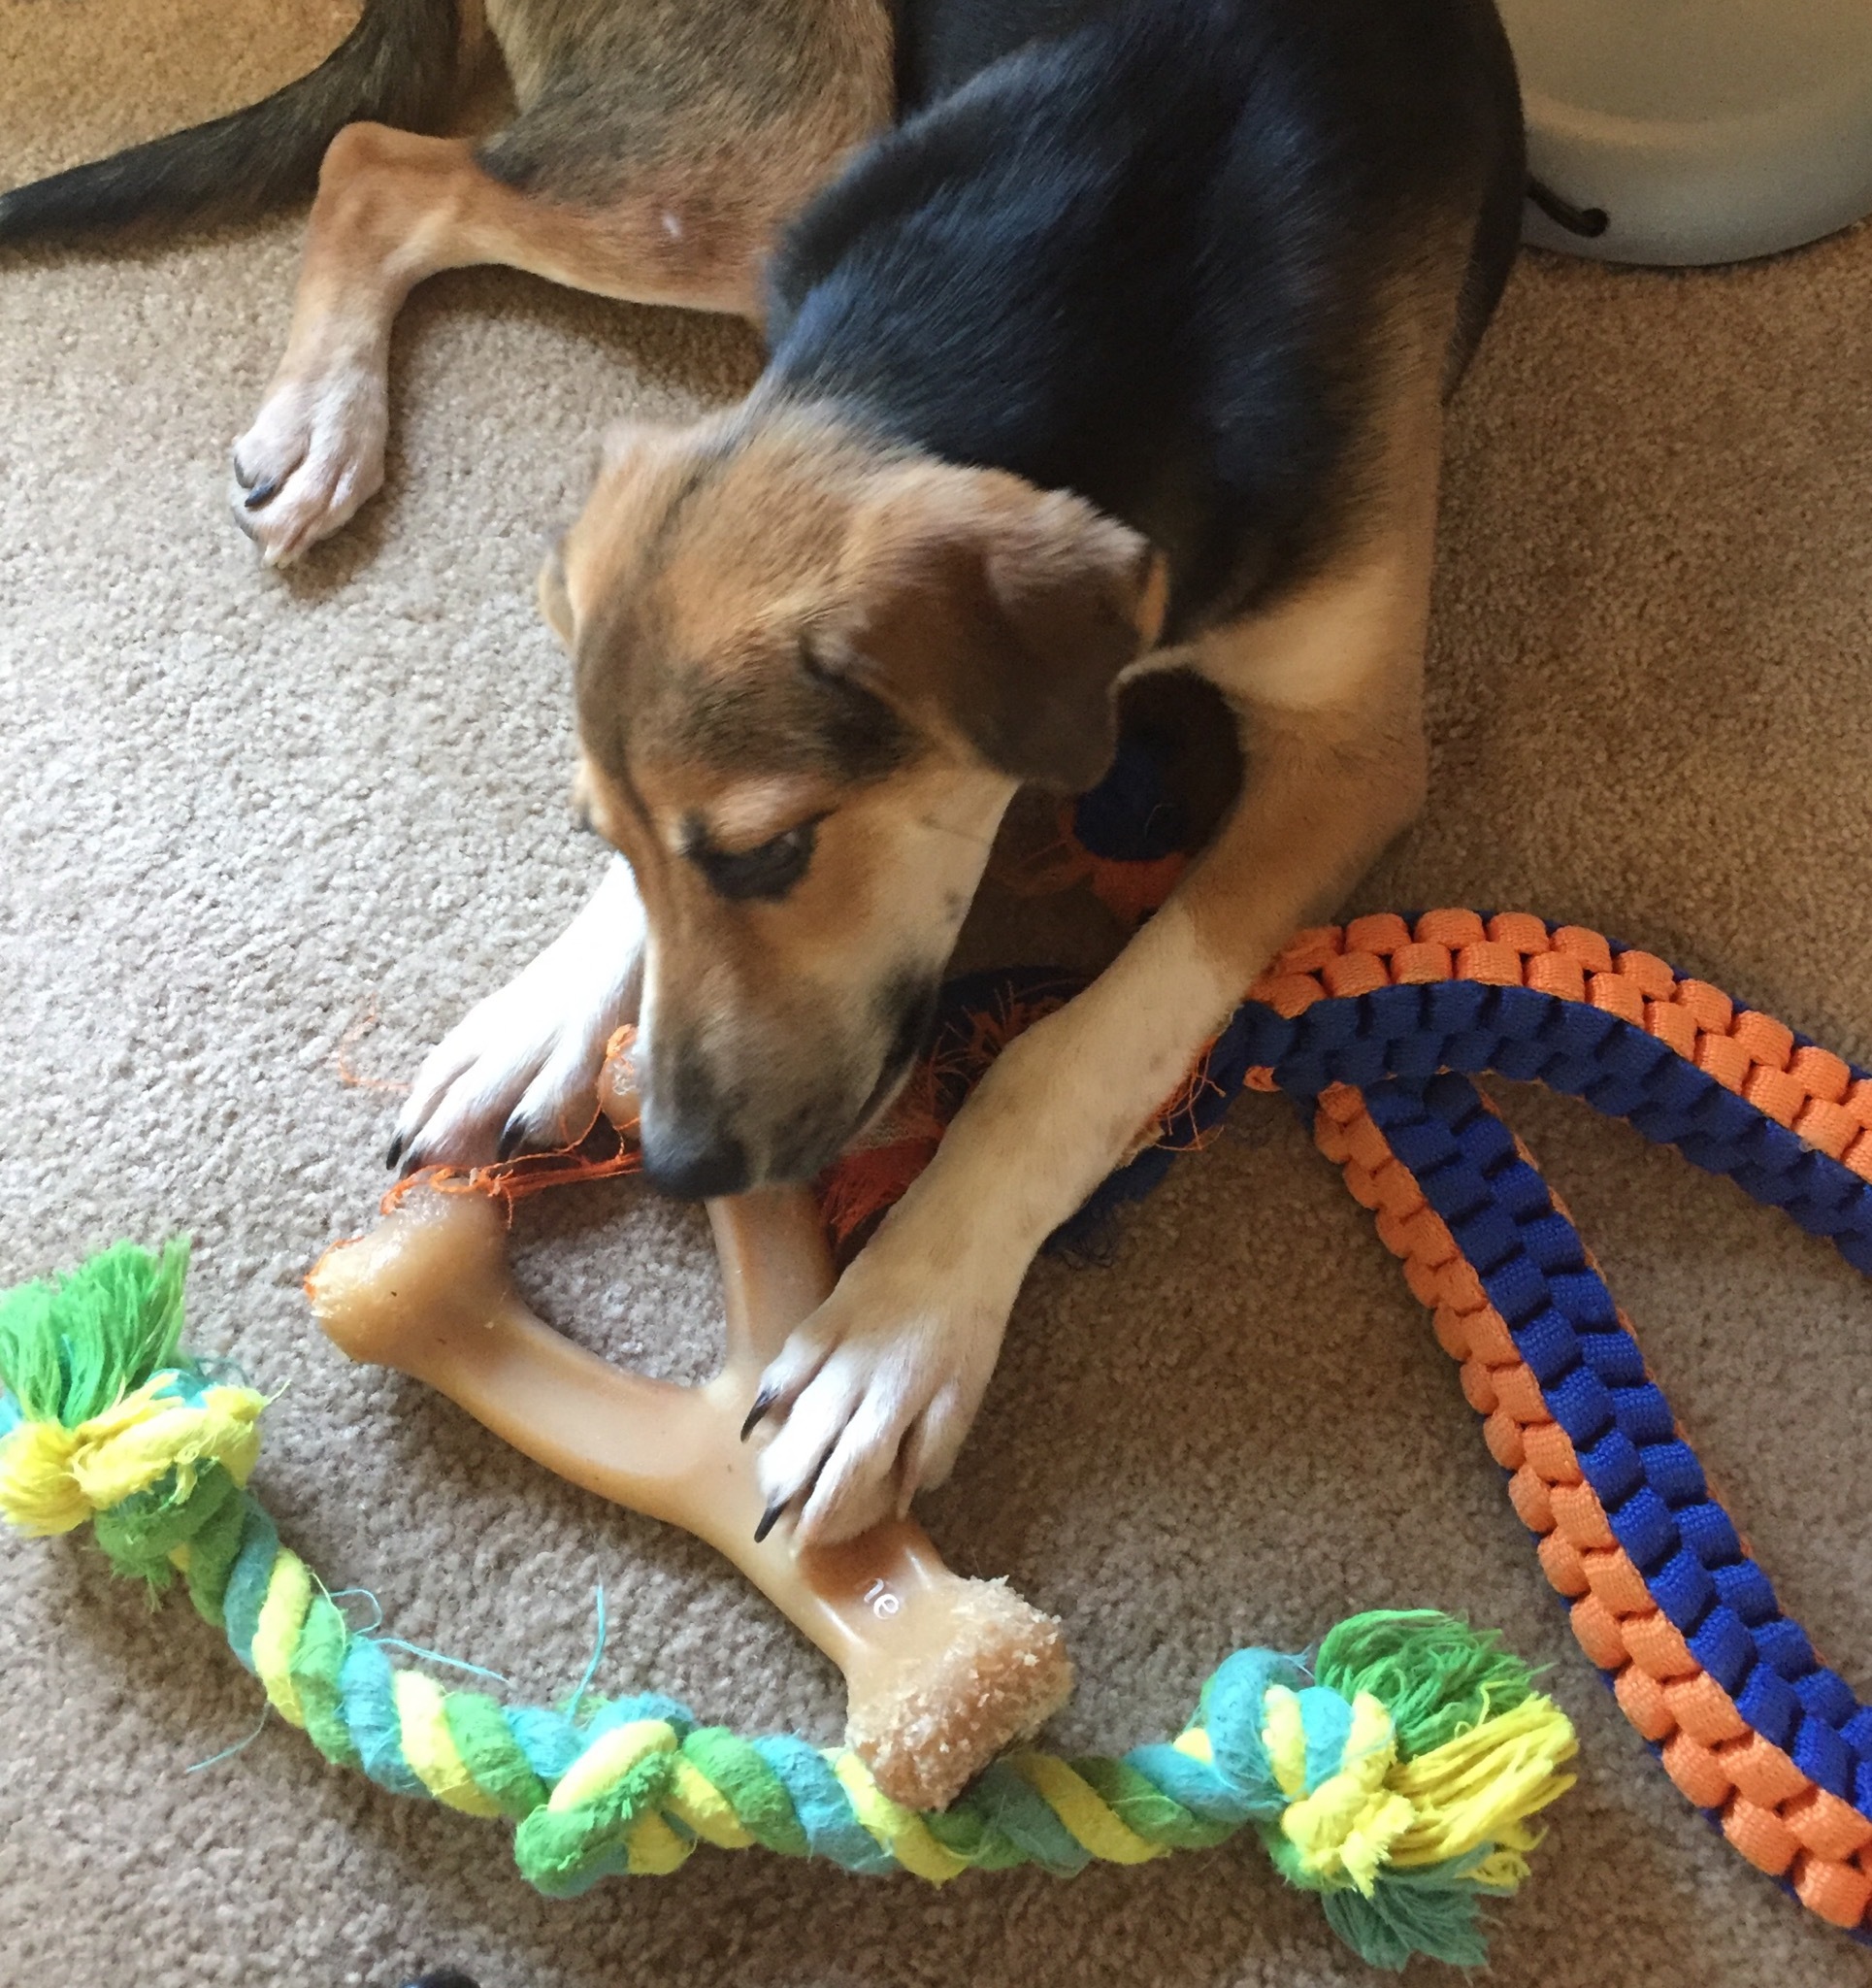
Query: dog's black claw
(769, 1518)
(441, 1977)
(395, 1153)
(261, 493)
(511, 1134)
(757, 1414)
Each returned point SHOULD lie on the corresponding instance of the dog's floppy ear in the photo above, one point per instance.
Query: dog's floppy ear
(1000, 613)
(627, 444)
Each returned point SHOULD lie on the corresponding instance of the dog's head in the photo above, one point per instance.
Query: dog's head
(811, 671)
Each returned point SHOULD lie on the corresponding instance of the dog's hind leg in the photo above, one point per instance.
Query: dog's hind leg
(393, 209)
(681, 209)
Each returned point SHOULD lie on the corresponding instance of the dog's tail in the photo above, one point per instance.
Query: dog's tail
(397, 66)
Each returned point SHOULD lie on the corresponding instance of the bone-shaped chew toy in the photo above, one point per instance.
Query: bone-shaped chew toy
(941, 1672)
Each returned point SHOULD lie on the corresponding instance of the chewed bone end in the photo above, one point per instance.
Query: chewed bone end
(436, 1260)
(931, 1728)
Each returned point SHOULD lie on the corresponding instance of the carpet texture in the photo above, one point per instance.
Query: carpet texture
(240, 815)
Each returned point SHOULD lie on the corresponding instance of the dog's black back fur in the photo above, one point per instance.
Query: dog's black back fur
(1151, 253)
(940, 43)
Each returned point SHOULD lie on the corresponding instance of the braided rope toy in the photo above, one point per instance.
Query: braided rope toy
(1377, 1024)
(1373, 1029)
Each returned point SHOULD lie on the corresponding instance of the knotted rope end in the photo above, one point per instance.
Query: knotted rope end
(100, 1412)
(1412, 1767)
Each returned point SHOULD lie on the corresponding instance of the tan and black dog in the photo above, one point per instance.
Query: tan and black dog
(1104, 338)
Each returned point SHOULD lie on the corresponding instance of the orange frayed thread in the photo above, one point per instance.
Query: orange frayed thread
(872, 1175)
(342, 1056)
(602, 1151)
(1129, 889)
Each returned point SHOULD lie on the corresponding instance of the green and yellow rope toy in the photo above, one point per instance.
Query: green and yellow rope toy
(1394, 1775)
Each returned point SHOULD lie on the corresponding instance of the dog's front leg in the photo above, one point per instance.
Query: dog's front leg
(880, 1386)
(521, 1068)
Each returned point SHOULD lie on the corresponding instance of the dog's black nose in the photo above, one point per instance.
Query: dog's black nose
(695, 1166)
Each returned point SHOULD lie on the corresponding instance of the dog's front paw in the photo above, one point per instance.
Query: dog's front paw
(312, 457)
(872, 1397)
(521, 1070)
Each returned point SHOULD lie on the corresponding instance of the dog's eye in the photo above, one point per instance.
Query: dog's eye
(764, 874)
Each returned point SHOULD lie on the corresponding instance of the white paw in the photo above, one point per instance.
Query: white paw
(312, 457)
(878, 1390)
(520, 1070)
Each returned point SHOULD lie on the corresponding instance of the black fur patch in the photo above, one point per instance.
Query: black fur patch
(1148, 252)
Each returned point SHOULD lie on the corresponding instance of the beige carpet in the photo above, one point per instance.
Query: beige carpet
(242, 813)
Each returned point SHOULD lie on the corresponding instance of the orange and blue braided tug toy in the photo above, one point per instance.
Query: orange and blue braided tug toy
(1396, 1773)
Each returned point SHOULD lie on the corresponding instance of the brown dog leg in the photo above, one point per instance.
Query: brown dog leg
(393, 209)
(655, 157)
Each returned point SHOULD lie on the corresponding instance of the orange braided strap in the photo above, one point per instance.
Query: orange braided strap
(1767, 1807)
(1375, 1023)
(1816, 1095)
